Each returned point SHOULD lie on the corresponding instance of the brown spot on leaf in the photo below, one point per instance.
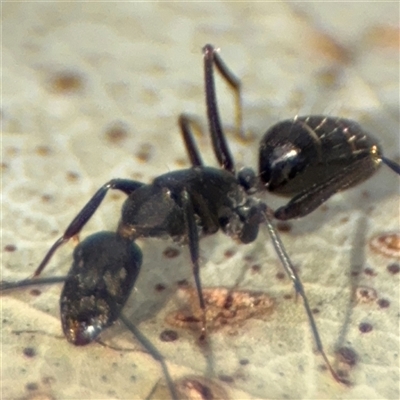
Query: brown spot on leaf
(365, 294)
(171, 252)
(384, 36)
(383, 303)
(10, 248)
(117, 132)
(144, 153)
(393, 268)
(66, 82)
(169, 335)
(224, 307)
(387, 244)
(365, 327)
(43, 150)
(199, 388)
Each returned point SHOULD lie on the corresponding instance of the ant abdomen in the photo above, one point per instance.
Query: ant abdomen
(101, 278)
(312, 151)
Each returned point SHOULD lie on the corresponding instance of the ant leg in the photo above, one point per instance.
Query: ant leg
(152, 351)
(291, 272)
(310, 199)
(193, 238)
(391, 164)
(234, 84)
(220, 146)
(124, 185)
(138, 335)
(4, 285)
(186, 123)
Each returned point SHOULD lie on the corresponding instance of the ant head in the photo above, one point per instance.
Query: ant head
(286, 151)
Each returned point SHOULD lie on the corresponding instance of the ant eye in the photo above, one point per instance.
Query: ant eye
(247, 179)
(284, 164)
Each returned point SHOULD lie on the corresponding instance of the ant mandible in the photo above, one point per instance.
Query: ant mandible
(306, 158)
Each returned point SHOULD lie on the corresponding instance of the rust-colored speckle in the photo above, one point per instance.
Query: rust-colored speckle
(224, 307)
(66, 82)
(199, 388)
(31, 386)
(346, 355)
(159, 287)
(144, 153)
(43, 150)
(248, 258)
(115, 196)
(116, 132)
(72, 176)
(325, 45)
(344, 220)
(283, 226)
(29, 352)
(171, 252)
(365, 294)
(393, 268)
(35, 292)
(287, 296)
(315, 311)
(138, 176)
(181, 162)
(46, 198)
(387, 244)
(255, 268)
(369, 271)
(229, 253)
(10, 248)
(365, 327)
(383, 303)
(4, 166)
(384, 36)
(169, 335)
(182, 283)
(280, 276)
(365, 194)
(226, 378)
(324, 208)
(330, 77)
(48, 380)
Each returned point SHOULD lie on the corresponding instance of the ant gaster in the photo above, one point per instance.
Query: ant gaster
(307, 158)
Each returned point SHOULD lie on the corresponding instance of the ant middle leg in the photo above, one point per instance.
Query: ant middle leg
(193, 241)
(186, 123)
(124, 185)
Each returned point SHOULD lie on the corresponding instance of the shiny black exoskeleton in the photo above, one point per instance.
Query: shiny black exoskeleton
(306, 158)
(311, 158)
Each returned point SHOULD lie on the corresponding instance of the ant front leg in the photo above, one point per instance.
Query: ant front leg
(211, 56)
(298, 285)
(311, 198)
(219, 143)
(124, 185)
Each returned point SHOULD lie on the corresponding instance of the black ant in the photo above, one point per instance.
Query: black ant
(306, 158)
